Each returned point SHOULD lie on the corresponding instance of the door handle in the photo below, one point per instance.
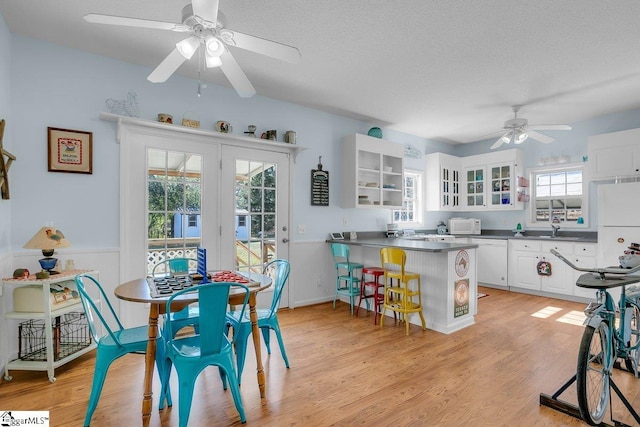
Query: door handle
(285, 240)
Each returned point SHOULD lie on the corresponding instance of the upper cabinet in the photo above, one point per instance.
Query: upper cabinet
(489, 181)
(442, 175)
(372, 170)
(474, 187)
(614, 155)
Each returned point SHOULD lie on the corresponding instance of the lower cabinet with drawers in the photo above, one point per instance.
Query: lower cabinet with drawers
(532, 267)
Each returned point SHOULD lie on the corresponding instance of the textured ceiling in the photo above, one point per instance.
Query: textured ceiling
(445, 70)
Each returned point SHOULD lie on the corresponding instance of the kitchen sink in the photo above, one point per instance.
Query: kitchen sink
(554, 238)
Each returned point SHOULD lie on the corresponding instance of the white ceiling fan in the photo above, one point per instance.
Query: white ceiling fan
(205, 24)
(517, 130)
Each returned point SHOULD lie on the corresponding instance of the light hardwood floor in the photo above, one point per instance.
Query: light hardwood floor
(345, 371)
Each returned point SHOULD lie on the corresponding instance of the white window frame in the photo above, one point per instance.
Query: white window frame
(418, 202)
(531, 208)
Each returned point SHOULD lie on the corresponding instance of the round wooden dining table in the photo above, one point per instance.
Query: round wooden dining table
(139, 291)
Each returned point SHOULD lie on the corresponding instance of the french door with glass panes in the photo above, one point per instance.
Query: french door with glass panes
(169, 186)
(255, 199)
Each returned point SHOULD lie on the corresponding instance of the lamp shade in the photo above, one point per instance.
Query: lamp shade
(520, 137)
(188, 46)
(47, 238)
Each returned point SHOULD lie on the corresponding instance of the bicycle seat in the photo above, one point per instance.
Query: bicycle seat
(593, 281)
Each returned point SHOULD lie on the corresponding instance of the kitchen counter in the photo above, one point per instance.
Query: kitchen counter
(447, 275)
(586, 238)
(565, 236)
(409, 245)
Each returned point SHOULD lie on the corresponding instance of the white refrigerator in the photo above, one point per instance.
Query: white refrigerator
(618, 220)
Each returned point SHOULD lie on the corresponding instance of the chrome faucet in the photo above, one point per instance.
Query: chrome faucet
(554, 231)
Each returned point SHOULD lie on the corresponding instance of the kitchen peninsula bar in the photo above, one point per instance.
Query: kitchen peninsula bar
(447, 272)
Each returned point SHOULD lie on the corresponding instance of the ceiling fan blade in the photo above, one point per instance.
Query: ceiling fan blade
(497, 144)
(236, 76)
(167, 67)
(539, 137)
(206, 9)
(550, 127)
(265, 47)
(95, 18)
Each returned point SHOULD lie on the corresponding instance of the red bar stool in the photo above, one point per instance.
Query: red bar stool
(373, 285)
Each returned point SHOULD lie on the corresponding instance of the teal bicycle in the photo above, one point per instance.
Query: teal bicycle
(611, 334)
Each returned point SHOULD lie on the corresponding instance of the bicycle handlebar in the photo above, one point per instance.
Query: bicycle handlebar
(599, 270)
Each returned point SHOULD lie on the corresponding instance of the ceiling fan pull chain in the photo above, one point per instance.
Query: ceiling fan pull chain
(200, 61)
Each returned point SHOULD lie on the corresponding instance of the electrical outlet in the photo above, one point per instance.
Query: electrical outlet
(345, 221)
(302, 228)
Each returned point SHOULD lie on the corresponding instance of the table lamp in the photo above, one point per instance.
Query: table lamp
(48, 239)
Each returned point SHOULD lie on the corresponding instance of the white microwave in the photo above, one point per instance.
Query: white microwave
(464, 226)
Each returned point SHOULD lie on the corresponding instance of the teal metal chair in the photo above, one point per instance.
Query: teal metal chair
(190, 354)
(278, 270)
(117, 341)
(347, 277)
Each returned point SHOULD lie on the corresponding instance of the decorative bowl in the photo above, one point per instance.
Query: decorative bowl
(375, 132)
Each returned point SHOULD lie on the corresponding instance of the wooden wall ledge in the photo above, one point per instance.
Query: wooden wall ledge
(221, 137)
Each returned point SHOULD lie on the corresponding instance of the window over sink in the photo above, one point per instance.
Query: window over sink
(558, 192)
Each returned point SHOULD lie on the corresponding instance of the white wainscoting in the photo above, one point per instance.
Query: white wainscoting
(313, 274)
(106, 261)
(6, 270)
(312, 278)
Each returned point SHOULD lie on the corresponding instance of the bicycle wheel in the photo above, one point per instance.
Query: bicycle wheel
(631, 362)
(592, 377)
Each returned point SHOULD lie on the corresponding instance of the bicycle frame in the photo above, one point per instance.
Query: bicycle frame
(606, 338)
(605, 308)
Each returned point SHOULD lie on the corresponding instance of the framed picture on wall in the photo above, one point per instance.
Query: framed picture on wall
(70, 150)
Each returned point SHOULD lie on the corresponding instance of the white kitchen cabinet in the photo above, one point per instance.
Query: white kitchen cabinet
(524, 256)
(523, 260)
(492, 260)
(614, 155)
(372, 172)
(561, 279)
(584, 255)
(475, 188)
(487, 181)
(501, 188)
(442, 173)
(49, 346)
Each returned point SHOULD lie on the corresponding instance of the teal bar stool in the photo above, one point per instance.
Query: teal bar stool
(348, 274)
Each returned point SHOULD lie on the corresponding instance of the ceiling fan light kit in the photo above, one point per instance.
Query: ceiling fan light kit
(206, 24)
(518, 130)
(188, 46)
(520, 137)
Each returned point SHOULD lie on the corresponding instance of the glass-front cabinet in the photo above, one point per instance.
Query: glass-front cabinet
(475, 188)
(501, 185)
(443, 191)
(450, 188)
(487, 181)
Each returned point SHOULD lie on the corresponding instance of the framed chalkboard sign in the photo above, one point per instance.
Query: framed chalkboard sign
(319, 186)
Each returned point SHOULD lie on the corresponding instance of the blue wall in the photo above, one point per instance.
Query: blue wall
(5, 113)
(61, 87)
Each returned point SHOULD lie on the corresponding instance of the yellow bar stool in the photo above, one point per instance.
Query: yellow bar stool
(348, 274)
(405, 296)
